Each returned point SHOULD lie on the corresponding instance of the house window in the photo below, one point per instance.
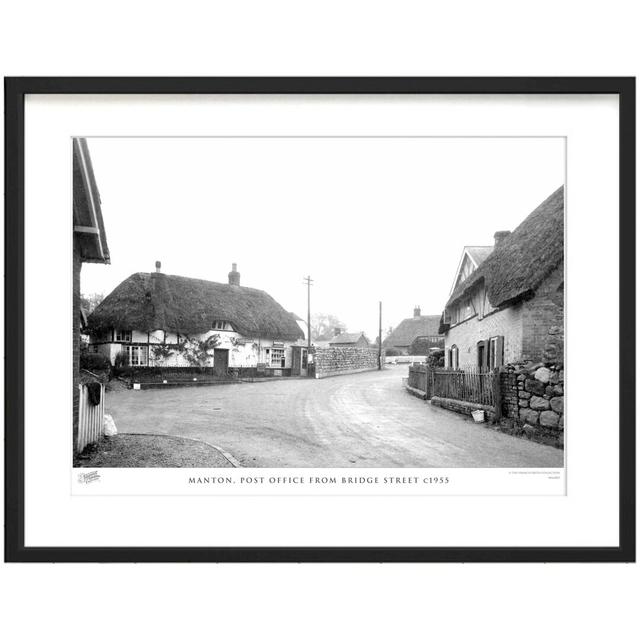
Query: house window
(123, 336)
(221, 325)
(496, 352)
(277, 358)
(136, 356)
(453, 357)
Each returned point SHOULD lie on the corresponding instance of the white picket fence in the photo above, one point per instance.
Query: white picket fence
(405, 359)
(90, 418)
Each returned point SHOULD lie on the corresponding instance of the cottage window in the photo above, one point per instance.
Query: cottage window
(123, 336)
(221, 325)
(277, 358)
(496, 352)
(136, 356)
(453, 357)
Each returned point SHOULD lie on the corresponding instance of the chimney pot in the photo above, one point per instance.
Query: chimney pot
(234, 276)
(499, 237)
(158, 266)
(416, 312)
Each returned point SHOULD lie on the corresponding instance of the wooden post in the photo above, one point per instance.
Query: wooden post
(380, 336)
(497, 398)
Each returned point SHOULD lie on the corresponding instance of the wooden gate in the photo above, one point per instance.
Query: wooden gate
(90, 418)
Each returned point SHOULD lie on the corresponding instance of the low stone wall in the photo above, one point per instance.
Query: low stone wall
(460, 406)
(146, 374)
(336, 361)
(533, 401)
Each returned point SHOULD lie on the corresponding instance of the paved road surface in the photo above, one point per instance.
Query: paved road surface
(360, 420)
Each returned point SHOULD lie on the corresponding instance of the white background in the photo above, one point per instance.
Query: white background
(298, 206)
(542, 38)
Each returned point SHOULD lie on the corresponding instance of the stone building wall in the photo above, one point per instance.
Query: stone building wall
(543, 321)
(533, 330)
(336, 361)
(533, 401)
(466, 335)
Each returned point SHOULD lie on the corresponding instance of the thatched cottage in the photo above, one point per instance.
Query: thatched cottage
(156, 319)
(507, 303)
(403, 336)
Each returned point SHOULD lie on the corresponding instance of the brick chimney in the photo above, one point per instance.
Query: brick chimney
(234, 276)
(158, 266)
(499, 237)
(416, 312)
(336, 331)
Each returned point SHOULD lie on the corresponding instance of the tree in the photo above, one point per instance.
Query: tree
(90, 301)
(323, 326)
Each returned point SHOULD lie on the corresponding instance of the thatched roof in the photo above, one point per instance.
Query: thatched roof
(151, 301)
(516, 267)
(411, 328)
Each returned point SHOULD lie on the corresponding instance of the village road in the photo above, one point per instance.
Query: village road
(361, 420)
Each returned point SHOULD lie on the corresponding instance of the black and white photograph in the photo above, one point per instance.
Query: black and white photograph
(332, 302)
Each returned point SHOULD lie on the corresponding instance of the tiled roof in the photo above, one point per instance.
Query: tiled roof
(411, 328)
(346, 338)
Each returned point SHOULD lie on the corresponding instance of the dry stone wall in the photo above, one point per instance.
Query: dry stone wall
(336, 361)
(533, 401)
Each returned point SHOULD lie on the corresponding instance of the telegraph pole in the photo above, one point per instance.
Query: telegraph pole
(380, 336)
(308, 282)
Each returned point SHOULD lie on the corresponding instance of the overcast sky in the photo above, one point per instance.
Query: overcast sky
(369, 219)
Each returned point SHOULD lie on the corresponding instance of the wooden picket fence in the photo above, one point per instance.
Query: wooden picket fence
(471, 384)
(90, 418)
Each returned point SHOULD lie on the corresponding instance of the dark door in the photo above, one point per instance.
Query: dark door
(481, 356)
(296, 361)
(220, 361)
(299, 361)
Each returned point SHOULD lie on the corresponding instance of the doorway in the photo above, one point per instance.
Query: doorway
(220, 362)
(299, 361)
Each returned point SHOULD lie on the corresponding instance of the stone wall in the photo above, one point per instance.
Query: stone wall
(465, 408)
(336, 361)
(533, 401)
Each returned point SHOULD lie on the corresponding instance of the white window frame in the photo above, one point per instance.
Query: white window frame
(121, 335)
(454, 356)
(141, 355)
(276, 358)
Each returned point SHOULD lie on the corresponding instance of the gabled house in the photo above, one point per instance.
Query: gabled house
(418, 326)
(510, 307)
(89, 245)
(156, 319)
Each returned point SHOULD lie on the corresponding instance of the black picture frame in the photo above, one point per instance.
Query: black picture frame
(15, 91)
